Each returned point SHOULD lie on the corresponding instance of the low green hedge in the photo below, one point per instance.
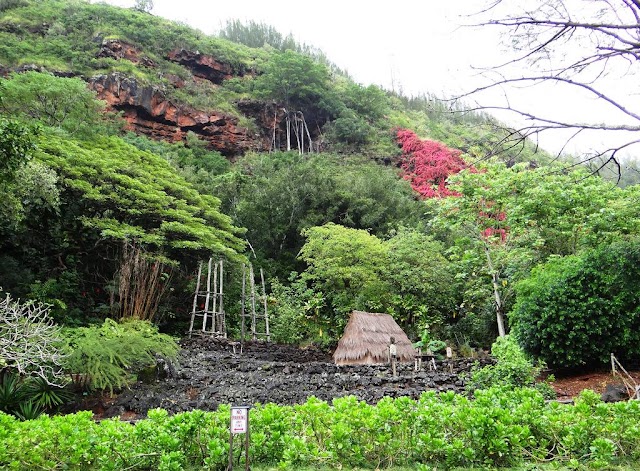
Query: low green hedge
(497, 428)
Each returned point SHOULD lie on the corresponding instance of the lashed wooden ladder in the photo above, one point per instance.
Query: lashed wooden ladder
(208, 304)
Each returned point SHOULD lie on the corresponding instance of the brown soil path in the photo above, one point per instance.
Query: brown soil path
(570, 386)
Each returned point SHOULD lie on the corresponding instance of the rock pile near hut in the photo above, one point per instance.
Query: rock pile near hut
(209, 373)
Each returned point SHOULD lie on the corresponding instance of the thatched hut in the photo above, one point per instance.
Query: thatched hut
(366, 340)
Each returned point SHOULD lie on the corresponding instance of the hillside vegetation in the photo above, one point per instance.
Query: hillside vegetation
(348, 196)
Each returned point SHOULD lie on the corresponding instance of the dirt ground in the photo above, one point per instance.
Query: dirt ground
(569, 386)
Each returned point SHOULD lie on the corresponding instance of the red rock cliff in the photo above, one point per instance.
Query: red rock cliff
(148, 111)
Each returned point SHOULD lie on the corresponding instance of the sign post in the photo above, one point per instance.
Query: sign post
(239, 423)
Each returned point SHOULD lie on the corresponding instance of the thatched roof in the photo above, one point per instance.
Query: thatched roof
(366, 340)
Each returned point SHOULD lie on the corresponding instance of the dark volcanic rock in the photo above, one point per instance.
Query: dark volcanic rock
(615, 393)
(208, 373)
(202, 65)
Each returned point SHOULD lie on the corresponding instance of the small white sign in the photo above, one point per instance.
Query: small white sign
(239, 419)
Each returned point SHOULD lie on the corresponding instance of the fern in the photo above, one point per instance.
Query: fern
(107, 357)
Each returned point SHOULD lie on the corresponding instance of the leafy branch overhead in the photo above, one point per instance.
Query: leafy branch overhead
(128, 194)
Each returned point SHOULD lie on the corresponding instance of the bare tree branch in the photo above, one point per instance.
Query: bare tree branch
(576, 43)
(29, 341)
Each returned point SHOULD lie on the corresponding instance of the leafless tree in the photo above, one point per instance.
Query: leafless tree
(29, 341)
(143, 5)
(590, 46)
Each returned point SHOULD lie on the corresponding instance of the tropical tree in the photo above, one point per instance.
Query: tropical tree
(24, 184)
(514, 218)
(125, 194)
(427, 164)
(85, 203)
(422, 282)
(348, 266)
(16, 143)
(64, 103)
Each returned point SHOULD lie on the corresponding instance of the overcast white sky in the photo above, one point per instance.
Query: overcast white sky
(422, 45)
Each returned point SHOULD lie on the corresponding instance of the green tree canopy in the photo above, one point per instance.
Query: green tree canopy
(347, 265)
(127, 194)
(578, 309)
(16, 144)
(64, 103)
(406, 276)
(300, 83)
(276, 196)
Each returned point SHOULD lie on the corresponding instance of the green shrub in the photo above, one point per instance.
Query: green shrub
(577, 310)
(294, 314)
(501, 427)
(512, 369)
(27, 397)
(109, 356)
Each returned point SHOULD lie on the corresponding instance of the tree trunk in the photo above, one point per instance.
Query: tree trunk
(496, 293)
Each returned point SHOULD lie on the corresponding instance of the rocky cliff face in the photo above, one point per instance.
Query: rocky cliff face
(202, 65)
(148, 111)
(117, 49)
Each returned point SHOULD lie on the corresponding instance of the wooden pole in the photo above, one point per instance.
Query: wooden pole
(252, 285)
(288, 131)
(246, 447)
(222, 320)
(195, 299)
(242, 313)
(206, 302)
(230, 465)
(215, 298)
(266, 315)
(275, 121)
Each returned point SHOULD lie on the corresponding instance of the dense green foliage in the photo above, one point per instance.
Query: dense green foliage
(501, 427)
(512, 370)
(109, 356)
(577, 310)
(137, 196)
(27, 187)
(59, 103)
(508, 220)
(16, 143)
(406, 276)
(277, 196)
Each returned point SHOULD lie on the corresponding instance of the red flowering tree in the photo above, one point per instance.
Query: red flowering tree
(427, 164)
